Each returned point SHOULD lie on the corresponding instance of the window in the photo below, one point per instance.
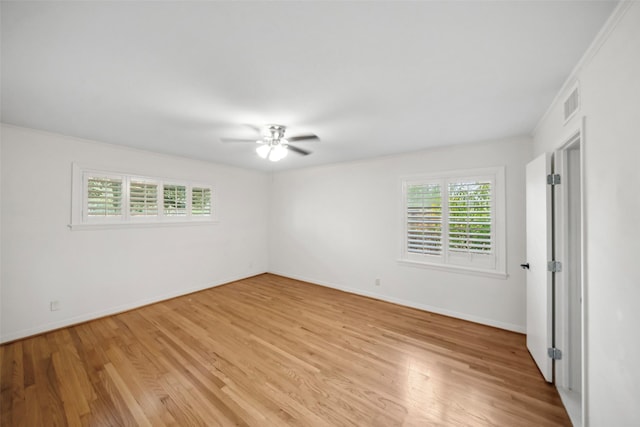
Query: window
(455, 220)
(143, 198)
(200, 201)
(103, 198)
(175, 200)
(470, 226)
(424, 219)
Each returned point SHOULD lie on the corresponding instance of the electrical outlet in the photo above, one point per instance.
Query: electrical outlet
(377, 282)
(54, 305)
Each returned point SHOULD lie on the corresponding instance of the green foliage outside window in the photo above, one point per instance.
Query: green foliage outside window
(470, 217)
(175, 200)
(424, 216)
(143, 199)
(468, 221)
(200, 201)
(104, 197)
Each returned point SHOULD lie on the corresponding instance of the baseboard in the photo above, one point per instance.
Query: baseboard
(48, 327)
(25, 333)
(572, 402)
(425, 307)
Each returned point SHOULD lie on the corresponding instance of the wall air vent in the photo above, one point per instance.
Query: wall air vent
(571, 104)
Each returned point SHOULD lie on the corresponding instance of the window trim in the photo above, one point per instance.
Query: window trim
(141, 179)
(80, 220)
(439, 262)
(187, 200)
(85, 200)
(211, 211)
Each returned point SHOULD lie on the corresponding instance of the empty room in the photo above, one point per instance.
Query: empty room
(319, 213)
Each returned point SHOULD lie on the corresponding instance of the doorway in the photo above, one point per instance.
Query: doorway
(568, 292)
(555, 276)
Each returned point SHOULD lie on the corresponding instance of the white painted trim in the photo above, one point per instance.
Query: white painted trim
(457, 173)
(570, 400)
(79, 220)
(148, 224)
(455, 268)
(498, 227)
(425, 307)
(598, 41)
(577, 409)
(118, 309)
(562, 251)
(583, 272)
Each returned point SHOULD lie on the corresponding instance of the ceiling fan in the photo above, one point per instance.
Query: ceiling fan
(274, 145)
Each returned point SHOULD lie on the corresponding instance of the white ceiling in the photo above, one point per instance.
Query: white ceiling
(369, 78)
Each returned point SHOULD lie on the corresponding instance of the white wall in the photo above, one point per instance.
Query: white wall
(610, 85)
(97, 272)
(340, 226)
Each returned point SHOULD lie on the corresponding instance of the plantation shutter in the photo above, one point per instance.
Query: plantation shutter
(470, 221)
(175, 200)
(104, 197)
(455, 220)
(143, 198)
(424, 219)
(200, 201)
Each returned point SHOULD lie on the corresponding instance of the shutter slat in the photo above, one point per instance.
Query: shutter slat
(175, 200)
(143, 199)
(424, 219)
(470, 217)
(104, 197)
(201, 201)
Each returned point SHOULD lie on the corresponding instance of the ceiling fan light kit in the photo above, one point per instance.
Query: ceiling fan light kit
(273, 145)
(272, 152)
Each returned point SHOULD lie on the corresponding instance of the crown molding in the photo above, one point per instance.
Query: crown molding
(609, 26)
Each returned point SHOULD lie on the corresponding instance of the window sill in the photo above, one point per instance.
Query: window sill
(455, 269)
(108, 226)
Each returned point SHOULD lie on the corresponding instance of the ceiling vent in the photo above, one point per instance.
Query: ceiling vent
(571, 104)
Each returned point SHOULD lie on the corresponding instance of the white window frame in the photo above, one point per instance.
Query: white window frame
(187, 206)
(211, 206)
(483, 265)
(85, 189)
(147, 180)
(81, 221)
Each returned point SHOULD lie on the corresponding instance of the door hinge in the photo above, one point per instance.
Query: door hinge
(553, 179)
(554, 266)
(554, 353)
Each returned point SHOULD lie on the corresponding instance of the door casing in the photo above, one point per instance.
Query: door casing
(569, 293)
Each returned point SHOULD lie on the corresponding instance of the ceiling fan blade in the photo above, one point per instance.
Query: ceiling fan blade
(238, 140)
(308, 137)
(254, 127)
(298, 150)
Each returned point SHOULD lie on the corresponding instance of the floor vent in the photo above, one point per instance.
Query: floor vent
(571, 104)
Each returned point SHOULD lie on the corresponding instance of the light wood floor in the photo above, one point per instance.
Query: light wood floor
(271, 351)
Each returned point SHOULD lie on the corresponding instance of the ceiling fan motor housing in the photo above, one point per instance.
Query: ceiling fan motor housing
(273, 144)
(274, 132)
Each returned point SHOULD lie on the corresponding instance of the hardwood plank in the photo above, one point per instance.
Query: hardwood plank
(48, 396)
(130, 400)
(275, 351)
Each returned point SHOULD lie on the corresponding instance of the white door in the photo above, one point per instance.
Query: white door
(539, 244)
